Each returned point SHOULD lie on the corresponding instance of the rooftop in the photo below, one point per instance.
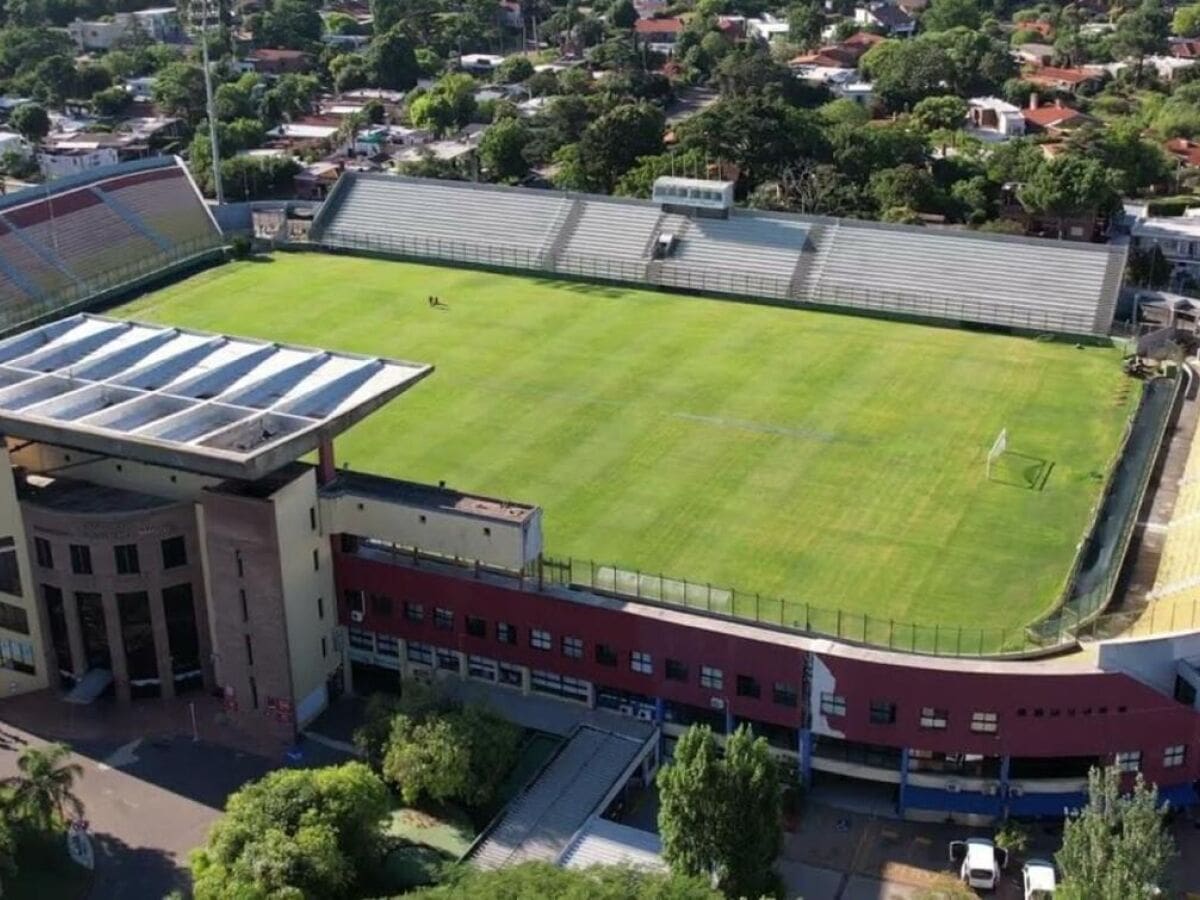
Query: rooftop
(191, 400)
(439, 499)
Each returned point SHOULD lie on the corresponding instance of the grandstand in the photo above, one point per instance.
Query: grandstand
(954, 275)
(71, 239)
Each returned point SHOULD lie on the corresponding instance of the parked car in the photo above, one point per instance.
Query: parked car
(980, 860)
(1039, 880)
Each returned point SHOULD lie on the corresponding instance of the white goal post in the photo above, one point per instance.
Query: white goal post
(998, 448)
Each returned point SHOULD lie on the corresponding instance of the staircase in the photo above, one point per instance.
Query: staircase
(90, 686)
(560, 232)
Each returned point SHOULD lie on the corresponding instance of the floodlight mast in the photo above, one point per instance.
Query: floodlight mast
(206, 9)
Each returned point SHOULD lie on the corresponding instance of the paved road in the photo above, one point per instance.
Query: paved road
(148, 805)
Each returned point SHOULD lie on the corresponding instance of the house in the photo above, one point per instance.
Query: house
(1176, 237)
(1183, 151)
(992, 119)
(159, 24)
(141, 89)
(1043, 29)
(825, 58)
(314, 181)
(649, 9)
(312, 128)
(659, 35)
(11, 142)
(480, 63)
(271, 61)
(348, 42)
(767, 28)
(1063, 79)
(860, 42)
(892, 19)
(732, 28)
(1184, 48)
(1053, 118)
(61, 160)
(861, 92)
(1034, 53)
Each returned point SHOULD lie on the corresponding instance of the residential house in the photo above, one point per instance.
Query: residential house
(842, 83)
(892, 19)
(767, 28)
(480, 63)
(11, 142)
(1045, 30)
(272, 61)
(1034, 53)
(860, 42)
(348, 42)
(1177, 237)
(316, 180)
(159, 24)
(141, 89)
(992, 119)
(732, 28)
(1067, 80)
(1055, 119)
(1184, 48)
(1165, 67)
(825, 58)
(649, 9)
(70, 157)
(659, 35)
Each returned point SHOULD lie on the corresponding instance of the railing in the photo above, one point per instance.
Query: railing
(731, 281)
(78, 296)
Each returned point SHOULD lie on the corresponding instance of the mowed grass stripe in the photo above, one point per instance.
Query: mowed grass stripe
(823, 458)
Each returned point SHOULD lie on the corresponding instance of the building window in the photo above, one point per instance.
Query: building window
(784, 693)
(324, 648)
(559, 685)
(253, 692)
(448, 660)
(10, 569)
(126, 556)
(676, 671)
(316, 560)
(174, 553)
(832, 704)
(748, 687)
(540, 639)
(641, 663)
(985, 722)
(312, 518)
(443, 618)
(713, 679)
(320, 607)
(414, 612)
(420, 653)
(572, 647)
(510, 674)
(41, 549)
(606, 655)
(14, 618)
(249, 651)
(18, 656)
(237, 558)
(476, 627)
(245, 606)
(386, 645)
(1128, 762)
(1173, 756)
(81, 559)
(883, 712)
(356, 601)
(505, 633)
(482, 668)
(934, 718)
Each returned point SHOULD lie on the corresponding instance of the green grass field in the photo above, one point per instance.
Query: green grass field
(824, 458)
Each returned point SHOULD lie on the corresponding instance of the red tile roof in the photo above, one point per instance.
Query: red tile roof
(658, 26)
(1184, 150)
(1055, 116)
(1056, 75)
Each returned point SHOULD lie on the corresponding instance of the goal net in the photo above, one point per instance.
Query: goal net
(998, 448)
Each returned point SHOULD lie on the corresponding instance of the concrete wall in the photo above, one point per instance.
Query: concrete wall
(120, 473)
(12, 525)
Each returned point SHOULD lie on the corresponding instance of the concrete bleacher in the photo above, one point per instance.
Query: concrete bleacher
(952, 274)
(445, 220)
(62, 240)
(1026, 283)
(540, 823)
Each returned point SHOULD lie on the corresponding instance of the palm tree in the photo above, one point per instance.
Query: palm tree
(45, 785)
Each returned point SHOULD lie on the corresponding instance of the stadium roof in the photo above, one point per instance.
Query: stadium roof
(210, 403)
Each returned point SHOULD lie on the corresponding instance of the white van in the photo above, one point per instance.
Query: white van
(980, 862)
(1039, 880)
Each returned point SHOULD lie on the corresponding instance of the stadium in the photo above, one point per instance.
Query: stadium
(888, 494)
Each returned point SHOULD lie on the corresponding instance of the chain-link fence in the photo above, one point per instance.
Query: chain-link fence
(82, 294)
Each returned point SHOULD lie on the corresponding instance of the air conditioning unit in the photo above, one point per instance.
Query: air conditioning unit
(355, 616)
(626, 709)
(952, 787)
(717, 703)
(646, 715)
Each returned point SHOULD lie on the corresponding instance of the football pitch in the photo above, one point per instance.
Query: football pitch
(823, 458)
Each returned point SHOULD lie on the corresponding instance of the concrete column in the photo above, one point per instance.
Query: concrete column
(525, 680)
(162, 644)
(900, 799)
(729, 723)
(1005, 769)
(326, 464)
(116, 648)
(804, 749)
(74, 635)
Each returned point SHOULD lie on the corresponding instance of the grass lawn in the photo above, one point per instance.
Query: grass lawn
(824, 458)
(446, 828)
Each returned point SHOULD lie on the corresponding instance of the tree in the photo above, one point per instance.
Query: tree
(905, 186)
(610, 146)
(1186, 21)
(179, 91)
(904, 72)
(1118, 846)
(805, 21)
(1149, 268)
(392, 60)
(945, 112)
(502, 150)
(44, 791)
(31, 121)
(292, 24)
(514, 69)
(295, 833)
(1066, 186)
(942, 15)
(1140, 33)
(111, 101)
(721, 817)
(349, 71)
(622, 14)
(53, 79)
(542, 881)
(461, 755)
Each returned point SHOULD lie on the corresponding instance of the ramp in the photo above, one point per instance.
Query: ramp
(90, 686)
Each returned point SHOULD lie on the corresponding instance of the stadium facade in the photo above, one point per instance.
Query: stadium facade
(161, 533)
